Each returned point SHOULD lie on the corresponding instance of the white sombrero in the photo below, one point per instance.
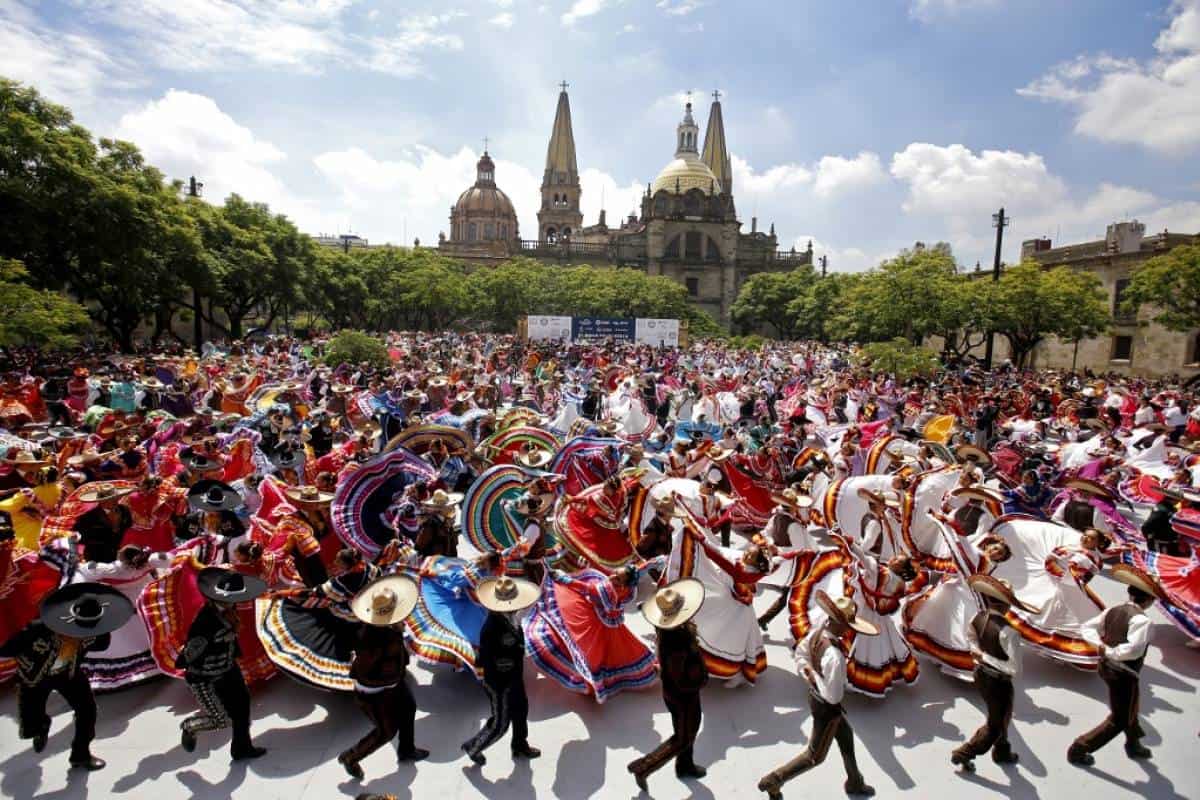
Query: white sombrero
(386, 601)
(506, 594)
(674, 604)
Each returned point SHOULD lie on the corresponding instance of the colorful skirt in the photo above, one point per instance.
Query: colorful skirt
(1180, 577)
(444, 627)
(312, 645)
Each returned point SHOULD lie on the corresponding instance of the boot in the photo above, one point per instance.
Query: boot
(39, 742)
(187, 740)
(857, 786)
(1135, 749)
(769, 783)
(523, 750)
(690, 771)
(478, 758)
(1078, 757)
(960, 760)
(416, 754)
(85, 760)
(638, 776)
(352, 767)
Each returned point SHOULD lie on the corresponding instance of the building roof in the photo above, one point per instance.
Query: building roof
(716, 152)
(684, 173)
(560, 154)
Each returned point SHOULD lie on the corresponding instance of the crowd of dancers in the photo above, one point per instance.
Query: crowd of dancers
(225, 516)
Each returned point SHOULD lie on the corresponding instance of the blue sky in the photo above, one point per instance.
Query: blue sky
(863, 126)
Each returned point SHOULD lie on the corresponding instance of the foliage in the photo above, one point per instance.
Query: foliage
(39, 317)
(900, 357)
(1029, 303)
(766, 298)
(748, 342)
(355, 347)
(1171, 283)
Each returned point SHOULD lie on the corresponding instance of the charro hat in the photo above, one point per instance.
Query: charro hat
(308, 495)
(506, 594)
(845, 612)
(970, 452)
(210, 495)
(443, 502)
(85, 610)
(386, 601)
(24, 459)
(1090, 487)
(97, 492)
(228, 586)
(533, 456)
(1139, 579)
(1000, 590)
(674, 604)
(978, 493)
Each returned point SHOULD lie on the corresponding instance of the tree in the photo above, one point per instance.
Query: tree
(37, 317)
(1171, 283)
(1029, 303)
(821, 310)
(355, 347)
(907, 296)
(901, 358)
(769, 297)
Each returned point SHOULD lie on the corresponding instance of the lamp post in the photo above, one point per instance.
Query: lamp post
(193, 190)
(999, 222)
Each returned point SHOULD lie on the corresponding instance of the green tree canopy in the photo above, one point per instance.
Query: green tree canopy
(39, 317)
(1171, 283)
(1030, 303)
(770, 298)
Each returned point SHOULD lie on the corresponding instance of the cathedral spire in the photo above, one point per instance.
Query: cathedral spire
(716, 152)
(559, 217)
(560, 155)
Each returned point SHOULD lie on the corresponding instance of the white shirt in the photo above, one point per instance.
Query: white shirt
(1009, 641)
(1136, 640)
(1174, 416)
(829, 677)
(1143, 416)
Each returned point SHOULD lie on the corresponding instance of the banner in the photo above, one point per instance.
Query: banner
(658, 332)
(542, 328)
(585, 329)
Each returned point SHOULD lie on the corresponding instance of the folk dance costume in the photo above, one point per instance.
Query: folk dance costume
(789, 527)
(527, 514)
(502, 658)
(209, 661)
(74, 620)
(880, 660)
(997, 663)
(821, 658)
(1122, 634)
(379, 670)
(683, 674)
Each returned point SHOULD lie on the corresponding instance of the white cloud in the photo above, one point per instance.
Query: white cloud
(503, 3)
(400, 54)
(502, 20)
(581, 9)
(748, 183)
(1155, 104)
(925, 10)
(679, 8)
(836, 173)
(600, 190)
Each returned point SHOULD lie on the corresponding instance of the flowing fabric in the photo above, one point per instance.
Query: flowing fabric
(364, 495)
(1180, 577)
(591, 525)
(25, 580)
(127, 659)
(444, 627)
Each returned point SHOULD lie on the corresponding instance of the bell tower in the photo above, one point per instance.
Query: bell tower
(559, 216)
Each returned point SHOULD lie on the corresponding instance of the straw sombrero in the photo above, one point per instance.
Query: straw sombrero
(309, 495)
(96, 492)
(25, 460)
(386, 601)
(999, 590)
(1139, 579)
(665, 505)
(674, 604)
(534, 457)
(1090, 487)
(845, 612)
(978, 493)
(443, 502)
(970, 452)
(506, 594)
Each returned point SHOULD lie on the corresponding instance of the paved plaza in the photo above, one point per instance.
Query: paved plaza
(903, 742)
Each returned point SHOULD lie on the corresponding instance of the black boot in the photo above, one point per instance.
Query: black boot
(857, 786)
(523, 750)
(85, 760)
(416, 754)
(960, 760)
(690, 771)
(1137, 750)
(352, 767)
(1080, 758)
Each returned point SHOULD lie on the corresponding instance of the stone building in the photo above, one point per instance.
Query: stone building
(687, 228)
(1132, 345)
(483, 223)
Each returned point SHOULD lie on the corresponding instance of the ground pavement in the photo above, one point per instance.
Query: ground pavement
(903, 741)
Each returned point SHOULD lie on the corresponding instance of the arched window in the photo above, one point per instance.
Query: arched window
(711, 253)
(503, 231)
(661, 204)
(551, 235)
(489, 231)
(672, 250)
(471, 232)
(566, 233)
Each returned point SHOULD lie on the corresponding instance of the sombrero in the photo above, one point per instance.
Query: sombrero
(608, 426)
(83, 459)
(96, 492)
(674, 604)
(792, 498)
(85, 610)
(24, 459)
(666, 505)
(227, 586)
(970, 452)
(844, 611)
(533, 456)
(506, 594)
(876, 498)
(210, 495)
(199, 462)
(309, 495)
(1139, 579)
(1090, 487)
(443, 502)
(63, 432)
(290, 458)
(999, 590)
(386, 601)
(978, 493)
(522, 505)
(152, 383)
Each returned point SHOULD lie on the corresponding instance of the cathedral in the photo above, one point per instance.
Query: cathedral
(687, 228)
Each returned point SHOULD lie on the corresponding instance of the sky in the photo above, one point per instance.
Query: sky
(860, 126)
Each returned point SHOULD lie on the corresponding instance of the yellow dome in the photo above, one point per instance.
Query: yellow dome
(687, 172)
(485, 200)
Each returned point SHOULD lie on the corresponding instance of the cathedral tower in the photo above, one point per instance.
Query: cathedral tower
(560, 217)
(716, 153)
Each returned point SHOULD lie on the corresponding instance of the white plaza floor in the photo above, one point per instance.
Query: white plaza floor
(903, 742)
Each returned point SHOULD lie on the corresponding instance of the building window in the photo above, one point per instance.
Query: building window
(1122, 348)
(1193, 356)
(693, 286)
(672, 250)
(711, 252)
(691, 245)
(471, 232)
(489, 231)
(551, 235)
(503, 231)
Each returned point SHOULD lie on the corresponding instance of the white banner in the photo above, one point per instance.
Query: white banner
(542, 328)
(658, 332)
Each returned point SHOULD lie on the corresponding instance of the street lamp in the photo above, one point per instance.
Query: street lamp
(193, 190)
(999, 222)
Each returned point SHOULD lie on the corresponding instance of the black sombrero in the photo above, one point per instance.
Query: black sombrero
(85, 610)
(210, 495)
(227, 586)
(288, 458)
(199, 462)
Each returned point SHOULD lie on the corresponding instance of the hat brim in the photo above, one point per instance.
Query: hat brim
(406, 592)
(1089, 487)
(988, 586)
(969, 452)
(537, 461)
(321, 499)
(978, 493)
(692, 592)
(206, 582)
(92, 496)
(198, 496)
(527, 594)
(1139, 579)
(834, 613)
(55, 610)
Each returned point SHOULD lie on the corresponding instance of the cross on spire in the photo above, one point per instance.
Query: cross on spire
(716, 95)
(485, 144)
(563, 85)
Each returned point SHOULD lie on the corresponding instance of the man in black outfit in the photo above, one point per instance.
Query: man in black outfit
(102, 529)
(502, 657)
(379, 669)
(209, 661)
(74, 620)
(683, 675)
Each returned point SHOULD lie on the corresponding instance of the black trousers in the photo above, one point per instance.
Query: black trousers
(829, 724)
(685, 726)
(60, 413)
(34, 721)
(224, 703)
(997, 693)
(393, 712)
(1122, 715)
(510, 706)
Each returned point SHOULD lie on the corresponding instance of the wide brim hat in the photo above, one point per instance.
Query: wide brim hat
(152, 383)
(1090, 487)
(199, 462)
(506, 594)
(342, 388)
(667, 506)
(287, 459)
(63, 433)
(386, 601)
(229, 586)
(978, 493)
(1139, 579)
(845, 612)
(544, 509)
(24, 459)
(443, 502)
(210, 495)
(308, 495)
(607, 426)
(674, 604)
(1000, 590)
(85, 610)
(970, 452)
(437, 383)
(1095, 423)
(535, 459)
(792, 499)
(96, 492)
(876, 498)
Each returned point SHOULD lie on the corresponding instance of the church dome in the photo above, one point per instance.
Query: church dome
(483, 213)
(687, 170)
(485, 197)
